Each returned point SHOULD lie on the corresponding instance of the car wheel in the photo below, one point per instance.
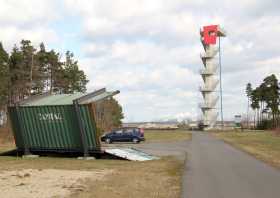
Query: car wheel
(108, 141)
(135, 140)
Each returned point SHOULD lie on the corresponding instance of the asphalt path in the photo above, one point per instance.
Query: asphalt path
(177, 149)
(215, 169)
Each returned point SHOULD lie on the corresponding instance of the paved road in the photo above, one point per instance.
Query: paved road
(177, 149)
(217, 170)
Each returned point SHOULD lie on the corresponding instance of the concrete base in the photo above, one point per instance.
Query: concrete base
(86, 158)
(30, 156)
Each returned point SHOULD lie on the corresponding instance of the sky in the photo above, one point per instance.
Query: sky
(150, 49)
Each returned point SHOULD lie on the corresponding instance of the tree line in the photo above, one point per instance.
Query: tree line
(28, 71)
(264, 101)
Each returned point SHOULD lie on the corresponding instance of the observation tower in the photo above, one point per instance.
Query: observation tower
(209, 35)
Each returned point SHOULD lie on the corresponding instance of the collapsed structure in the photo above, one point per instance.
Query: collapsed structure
(58, 123)
(209, 36)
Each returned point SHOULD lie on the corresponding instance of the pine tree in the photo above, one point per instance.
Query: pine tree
(265, 101)
(117, 113)
(16, 76)
(75, 79)
(249, 95)
(109, 114)
(28, 66)
(4, 76)
(55, 80)
(271, 93)
(39, 70)
(28, 72)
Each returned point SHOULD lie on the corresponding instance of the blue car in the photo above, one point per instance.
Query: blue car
(135, 135)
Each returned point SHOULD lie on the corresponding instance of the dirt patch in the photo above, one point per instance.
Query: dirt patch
(46, 183)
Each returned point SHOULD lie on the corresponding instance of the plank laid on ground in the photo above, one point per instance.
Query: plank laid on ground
(131, 154)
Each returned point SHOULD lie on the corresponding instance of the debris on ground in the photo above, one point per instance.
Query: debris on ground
(131, 154)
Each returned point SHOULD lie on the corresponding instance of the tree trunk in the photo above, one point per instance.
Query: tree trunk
(254, 119)
(248, 112)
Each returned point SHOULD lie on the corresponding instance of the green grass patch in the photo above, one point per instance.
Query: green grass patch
(263, 145)
(167, 135)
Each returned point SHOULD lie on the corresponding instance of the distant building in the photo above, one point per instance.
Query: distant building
(153, 125)
(227, 124)
(193, 125)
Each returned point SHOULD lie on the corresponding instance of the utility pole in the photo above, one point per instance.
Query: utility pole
(221, 89)
(31, 73)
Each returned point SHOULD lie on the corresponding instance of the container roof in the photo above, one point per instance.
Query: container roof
(68, 99)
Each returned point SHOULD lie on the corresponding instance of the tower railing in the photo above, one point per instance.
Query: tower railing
(209, 87)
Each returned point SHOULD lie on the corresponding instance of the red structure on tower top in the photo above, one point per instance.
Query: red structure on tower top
(210, 33)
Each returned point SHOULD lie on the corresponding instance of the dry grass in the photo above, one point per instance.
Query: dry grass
(263, 145)
(159, 178)
(167, 135)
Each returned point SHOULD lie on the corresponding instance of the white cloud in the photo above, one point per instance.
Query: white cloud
(13, 35)
(150, 49)
(150, 84)
(27, 19)
(27, 12)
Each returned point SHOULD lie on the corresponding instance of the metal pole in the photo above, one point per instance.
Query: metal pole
(31, 73)
(31, 69)
(248, 113)
(221, 90)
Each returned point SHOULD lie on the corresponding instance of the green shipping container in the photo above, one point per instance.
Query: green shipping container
(57, 123)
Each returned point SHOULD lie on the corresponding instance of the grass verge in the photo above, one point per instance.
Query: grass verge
(158, 178)
(263, 145)
(166, 135)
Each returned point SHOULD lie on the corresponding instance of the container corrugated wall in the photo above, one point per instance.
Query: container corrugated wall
(89, 126)
(52, 127)
(16, 127)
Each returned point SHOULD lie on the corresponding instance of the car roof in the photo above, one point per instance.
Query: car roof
(125, 128)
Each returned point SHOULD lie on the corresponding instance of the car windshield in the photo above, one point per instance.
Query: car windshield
(118, 132)
(129, 131)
